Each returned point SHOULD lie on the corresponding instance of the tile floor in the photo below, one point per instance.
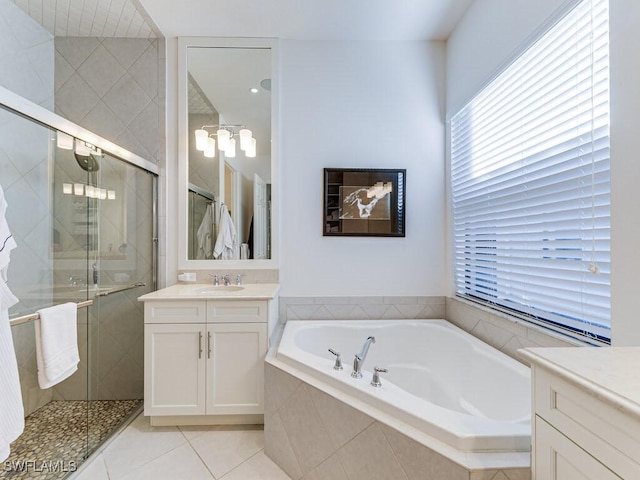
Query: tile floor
(142, 452)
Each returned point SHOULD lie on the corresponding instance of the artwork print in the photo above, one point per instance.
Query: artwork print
(364, 202)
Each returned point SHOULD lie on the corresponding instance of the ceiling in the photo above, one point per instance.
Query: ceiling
(288, 19)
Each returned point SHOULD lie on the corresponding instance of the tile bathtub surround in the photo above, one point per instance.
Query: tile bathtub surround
(501, 331)
(313, 436)
(360, 308)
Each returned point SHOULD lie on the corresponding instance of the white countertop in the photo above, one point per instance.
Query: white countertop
(206, 291)
(611, 374)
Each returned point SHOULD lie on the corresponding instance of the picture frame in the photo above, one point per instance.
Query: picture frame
(364, 202)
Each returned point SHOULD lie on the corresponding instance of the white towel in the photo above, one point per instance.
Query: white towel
(205, 235)
(56, 344)
(11, 409)
(227, 242)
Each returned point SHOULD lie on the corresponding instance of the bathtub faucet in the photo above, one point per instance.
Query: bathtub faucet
(360, 357)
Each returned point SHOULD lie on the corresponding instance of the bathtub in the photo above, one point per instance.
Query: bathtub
(442, 384)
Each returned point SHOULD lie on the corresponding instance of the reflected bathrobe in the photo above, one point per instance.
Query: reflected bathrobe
(226, 247)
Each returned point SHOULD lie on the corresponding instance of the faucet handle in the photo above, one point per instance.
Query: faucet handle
(216, 280)
(338, 364)
(375, 381)
(239, 278)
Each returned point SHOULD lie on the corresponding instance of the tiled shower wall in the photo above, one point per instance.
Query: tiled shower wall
(113, 87)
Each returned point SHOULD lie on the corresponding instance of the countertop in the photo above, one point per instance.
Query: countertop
(206, 291)
(611, 374)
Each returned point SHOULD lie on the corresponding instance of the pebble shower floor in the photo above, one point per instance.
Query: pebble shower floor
(58, 436)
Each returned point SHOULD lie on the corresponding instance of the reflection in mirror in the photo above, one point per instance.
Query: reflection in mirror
(229, 153)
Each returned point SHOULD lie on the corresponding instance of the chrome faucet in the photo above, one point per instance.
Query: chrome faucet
(227, 280)
(360, 357)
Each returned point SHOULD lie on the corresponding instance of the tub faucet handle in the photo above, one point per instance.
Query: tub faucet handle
(338, 364)
(375, 381)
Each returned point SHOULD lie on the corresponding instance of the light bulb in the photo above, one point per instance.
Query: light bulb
(210, 148)
(223, 139)
(67, 188)
(201, 139)
(230, 151)
(245, 138)
(251, 151)
(78, 189)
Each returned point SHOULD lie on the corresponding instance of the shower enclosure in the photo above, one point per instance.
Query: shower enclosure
(83, 215)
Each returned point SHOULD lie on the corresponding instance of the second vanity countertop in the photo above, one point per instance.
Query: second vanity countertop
(609, 373)
(207, 291)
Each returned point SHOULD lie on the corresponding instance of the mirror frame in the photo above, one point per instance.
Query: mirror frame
(183, 153)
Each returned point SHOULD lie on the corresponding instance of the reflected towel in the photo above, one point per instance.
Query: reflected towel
(56, 344)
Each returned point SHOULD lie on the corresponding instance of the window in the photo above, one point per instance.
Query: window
(530, 181)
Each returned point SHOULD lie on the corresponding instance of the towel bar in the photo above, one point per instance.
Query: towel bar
(34, 316)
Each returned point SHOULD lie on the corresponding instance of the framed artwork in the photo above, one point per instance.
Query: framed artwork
(364, 202)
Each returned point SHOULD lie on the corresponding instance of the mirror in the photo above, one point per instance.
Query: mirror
(227, 95)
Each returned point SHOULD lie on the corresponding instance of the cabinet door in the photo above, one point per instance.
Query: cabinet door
(558, 458)
(174, 369)
(235, 370)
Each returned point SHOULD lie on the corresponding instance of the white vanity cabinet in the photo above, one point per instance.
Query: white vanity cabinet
(586, 418)
(204, 359)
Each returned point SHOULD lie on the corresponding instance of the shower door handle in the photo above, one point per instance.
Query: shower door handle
(199, 344)
(209, 345)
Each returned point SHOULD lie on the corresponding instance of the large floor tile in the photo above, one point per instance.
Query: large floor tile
(139, 444)
(258, 467)
(222, 450)
(95, 470)
(181, 463)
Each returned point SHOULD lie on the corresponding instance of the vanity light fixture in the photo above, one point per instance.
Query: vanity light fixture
(226, 138)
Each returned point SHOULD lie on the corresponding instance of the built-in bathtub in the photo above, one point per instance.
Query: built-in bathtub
(445, 389)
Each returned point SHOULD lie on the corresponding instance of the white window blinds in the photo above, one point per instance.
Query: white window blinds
(530, 181)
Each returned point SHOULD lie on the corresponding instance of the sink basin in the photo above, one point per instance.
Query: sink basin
(217, 289)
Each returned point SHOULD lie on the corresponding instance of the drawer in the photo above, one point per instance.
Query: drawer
(611, 436)
(179, 311)
(252, 311)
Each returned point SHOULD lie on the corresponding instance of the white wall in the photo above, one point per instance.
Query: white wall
(357, 105)
(486, 39)
(361, 105)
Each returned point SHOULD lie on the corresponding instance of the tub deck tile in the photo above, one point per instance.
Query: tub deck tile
(370, 457)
